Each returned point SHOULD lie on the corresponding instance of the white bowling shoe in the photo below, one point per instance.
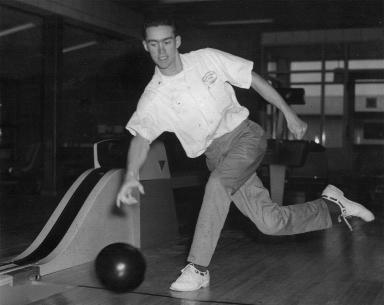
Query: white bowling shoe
(348, 207)
(191, 279)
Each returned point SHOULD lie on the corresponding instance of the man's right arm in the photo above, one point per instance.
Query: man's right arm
(137, 154)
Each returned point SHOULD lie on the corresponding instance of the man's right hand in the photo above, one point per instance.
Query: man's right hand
(125, 195)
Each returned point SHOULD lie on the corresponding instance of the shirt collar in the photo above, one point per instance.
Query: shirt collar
(159, 78)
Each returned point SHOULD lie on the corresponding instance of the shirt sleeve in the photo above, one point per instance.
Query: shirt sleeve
(236, 70)
(146, 119)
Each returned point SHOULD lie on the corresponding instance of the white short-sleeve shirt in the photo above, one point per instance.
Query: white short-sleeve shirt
(198, 104)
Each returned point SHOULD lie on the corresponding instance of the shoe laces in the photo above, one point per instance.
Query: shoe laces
(344, 215)
(190, 268)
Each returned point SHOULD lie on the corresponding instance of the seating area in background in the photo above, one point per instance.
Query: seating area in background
(308, 181)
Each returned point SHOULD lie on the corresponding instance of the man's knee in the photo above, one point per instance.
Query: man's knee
(217, 182)
(272, 225)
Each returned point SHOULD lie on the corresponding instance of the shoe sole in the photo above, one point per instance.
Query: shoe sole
(204, 285)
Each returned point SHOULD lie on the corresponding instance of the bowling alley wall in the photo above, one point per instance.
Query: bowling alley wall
(74, 71)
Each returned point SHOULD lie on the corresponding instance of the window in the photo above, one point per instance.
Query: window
(312, 100)
(311, 77)
(305, 65)
(366, 64)
(334, 64)
(369, 97)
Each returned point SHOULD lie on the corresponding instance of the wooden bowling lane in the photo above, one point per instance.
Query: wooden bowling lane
(330, 267)
(29, 292)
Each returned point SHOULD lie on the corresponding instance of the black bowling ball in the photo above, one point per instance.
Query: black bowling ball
(120, 267)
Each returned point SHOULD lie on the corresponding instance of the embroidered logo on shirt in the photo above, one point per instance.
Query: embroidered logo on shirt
(209, 78)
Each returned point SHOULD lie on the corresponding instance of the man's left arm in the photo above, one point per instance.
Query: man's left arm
(295, 124)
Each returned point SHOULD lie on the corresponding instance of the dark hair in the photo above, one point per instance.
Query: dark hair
(156, 20)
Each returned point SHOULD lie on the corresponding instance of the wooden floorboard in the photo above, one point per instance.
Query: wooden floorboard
(331, 267)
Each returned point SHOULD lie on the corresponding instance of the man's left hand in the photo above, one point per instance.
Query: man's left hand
(296, 126)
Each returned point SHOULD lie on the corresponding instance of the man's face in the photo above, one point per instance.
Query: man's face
(162, 45)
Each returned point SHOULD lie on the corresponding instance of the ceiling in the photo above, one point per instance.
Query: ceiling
(21, 52)
(269, 15)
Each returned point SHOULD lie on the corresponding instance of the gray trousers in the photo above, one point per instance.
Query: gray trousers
(233, 160)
